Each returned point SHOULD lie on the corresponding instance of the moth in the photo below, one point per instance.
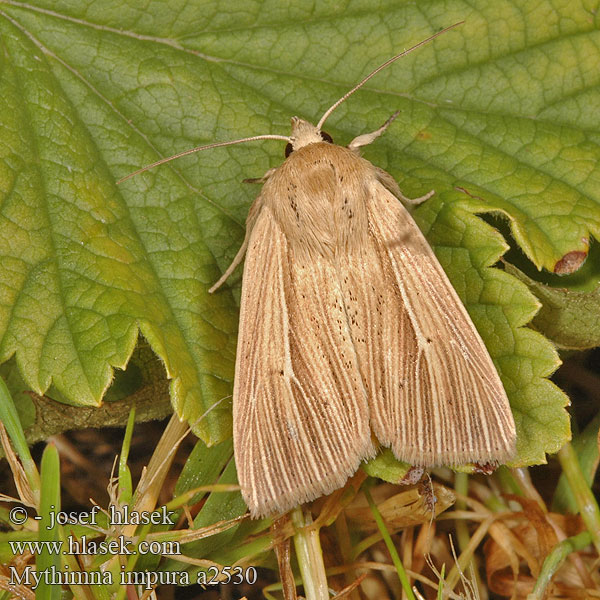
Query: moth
(350, 334)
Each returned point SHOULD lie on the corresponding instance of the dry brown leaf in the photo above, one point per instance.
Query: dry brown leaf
(533, 532)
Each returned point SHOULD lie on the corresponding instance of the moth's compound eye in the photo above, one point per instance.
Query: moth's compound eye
(288, 150)
(326, 137)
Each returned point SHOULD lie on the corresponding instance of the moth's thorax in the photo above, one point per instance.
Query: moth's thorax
(319, 197)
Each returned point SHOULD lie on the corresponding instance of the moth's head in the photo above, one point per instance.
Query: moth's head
(303, 134)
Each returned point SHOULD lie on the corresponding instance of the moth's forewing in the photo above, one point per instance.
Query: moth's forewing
(301, 424)
(434, 393)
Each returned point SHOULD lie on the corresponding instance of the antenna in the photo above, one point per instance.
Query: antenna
(162, 161)
(387, 63)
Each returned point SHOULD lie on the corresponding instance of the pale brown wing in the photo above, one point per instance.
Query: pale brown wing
(434, 394)
(300, 414)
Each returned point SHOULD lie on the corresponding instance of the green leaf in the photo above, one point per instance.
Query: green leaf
(571, 319)
(386, 466)
(49, 533)
(142, 384)
(219, 506)
(585, 445)
(503, 107)
(9, 418)
(11, 423)
(202, 467)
